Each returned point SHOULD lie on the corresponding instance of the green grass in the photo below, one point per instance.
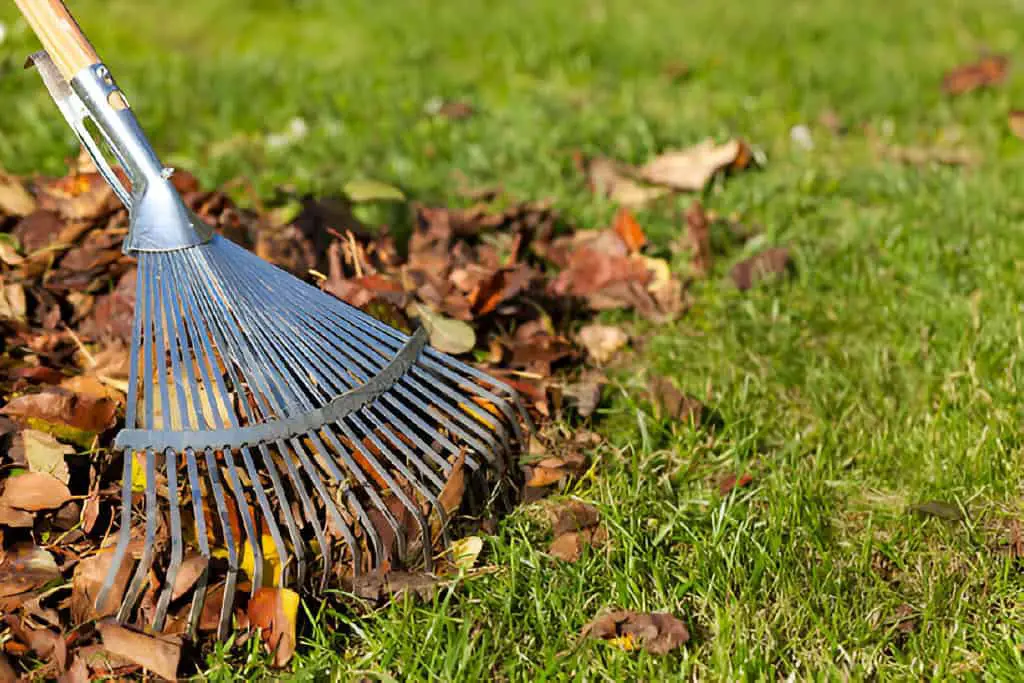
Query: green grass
(886, 373)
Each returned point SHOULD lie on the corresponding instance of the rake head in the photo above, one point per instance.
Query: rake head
(285, 415)
(267, 419)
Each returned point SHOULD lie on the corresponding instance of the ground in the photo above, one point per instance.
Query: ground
(884, 374)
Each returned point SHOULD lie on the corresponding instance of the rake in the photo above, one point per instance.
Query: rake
(294, 424)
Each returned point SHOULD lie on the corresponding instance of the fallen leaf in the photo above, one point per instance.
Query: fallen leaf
(465, 552)
(372, 191)
(90, 574)
(1016, 120)
(769, 263)
(7, 672)
(274, 611)
(936, 508)
(602, 342)
(986, 72)
(192, 567)
(158, 654)
(12, 302)
(699, 237)
(673, 404)
(586, 392)
(924, 156)
(607, 179)
(65, 414)
(657, 632)
(15, 200)
(731, 481)
(446, 335)
(34, 491)
(26, 567)
(691, 169)
(627, 227)
(41, 452)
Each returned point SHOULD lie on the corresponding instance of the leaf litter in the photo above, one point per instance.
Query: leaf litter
(508, 285)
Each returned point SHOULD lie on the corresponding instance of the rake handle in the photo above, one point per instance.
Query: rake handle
(60, 35)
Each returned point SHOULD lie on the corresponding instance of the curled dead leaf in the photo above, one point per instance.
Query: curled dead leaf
(602, 342)
(158, 654)
(764, 265)
(656, 632)
(692, 168)
(34, 491)
(274, 612)
(986, 72)
(24, 568)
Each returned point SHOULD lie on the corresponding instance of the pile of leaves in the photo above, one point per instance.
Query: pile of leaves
(508, 286)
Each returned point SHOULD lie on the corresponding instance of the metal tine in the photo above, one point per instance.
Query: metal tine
(296, 481)
(199, 595)
(287, 357)
(196, 263)
(124, 535)
(454, 413)
(196, 419)
(170, 309)
(314, 368)
(205, 363)
(229, 541)
(341, 383)
(351, 498)
(154, 337)
(457, 415)
(152, 513)
(177, 551)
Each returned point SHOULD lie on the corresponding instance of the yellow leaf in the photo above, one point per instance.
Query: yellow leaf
(271, 560)
(138, 471)
(624, 642)
(465, 551)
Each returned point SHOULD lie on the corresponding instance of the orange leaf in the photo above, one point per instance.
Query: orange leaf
(627, 227)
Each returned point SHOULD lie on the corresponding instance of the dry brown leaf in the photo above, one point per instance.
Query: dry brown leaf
(569, 546)
(41, 452)
(586, 392)
(89, 576)
(607, 179)
(691, 169)
(15, 200)
(731, 481)
(1016, 121)
(56, 409)
(24, 568)
(766, 264)
(7, 672)
(602, 342)
(924, 156)
(34, 491)
(656, 632)
(673, 404)
(986, 72)
(699, 237)
(12, 302)
(274, 611)
(158, 654)
(192, 567)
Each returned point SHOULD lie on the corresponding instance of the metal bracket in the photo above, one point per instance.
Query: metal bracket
(75, 113)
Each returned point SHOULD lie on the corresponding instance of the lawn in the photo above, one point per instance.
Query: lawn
(884, 374)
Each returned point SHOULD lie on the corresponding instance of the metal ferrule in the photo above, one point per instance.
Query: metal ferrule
(159, 219)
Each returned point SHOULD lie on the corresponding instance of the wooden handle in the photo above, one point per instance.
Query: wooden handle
(60, 35)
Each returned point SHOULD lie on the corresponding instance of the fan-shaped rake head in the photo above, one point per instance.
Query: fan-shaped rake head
(275, 418)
